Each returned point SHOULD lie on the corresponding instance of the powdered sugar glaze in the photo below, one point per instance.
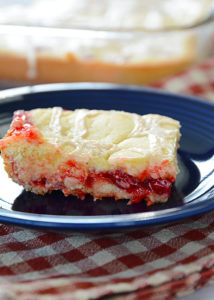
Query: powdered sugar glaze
(106, 137)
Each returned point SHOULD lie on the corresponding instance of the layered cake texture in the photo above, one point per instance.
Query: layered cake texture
(97, 152)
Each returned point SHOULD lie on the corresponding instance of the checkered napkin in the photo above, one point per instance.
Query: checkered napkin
(198, 81)
(151, 263)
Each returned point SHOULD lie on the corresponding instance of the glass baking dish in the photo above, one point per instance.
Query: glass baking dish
(127, 42)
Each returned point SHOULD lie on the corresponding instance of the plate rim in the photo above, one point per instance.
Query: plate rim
(57, 87)
(111, 221)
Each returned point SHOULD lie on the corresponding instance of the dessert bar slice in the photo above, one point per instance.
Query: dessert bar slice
(102, 153)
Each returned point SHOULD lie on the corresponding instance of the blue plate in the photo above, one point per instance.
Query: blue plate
(192, 194)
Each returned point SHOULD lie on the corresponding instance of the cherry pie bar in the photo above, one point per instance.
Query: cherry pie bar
(102, 153)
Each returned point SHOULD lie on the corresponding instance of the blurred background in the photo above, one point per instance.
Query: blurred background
(121, 41)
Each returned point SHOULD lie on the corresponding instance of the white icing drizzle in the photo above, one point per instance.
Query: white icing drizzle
(80, 130)
(79, 126)
(31, 59)
(96, 143)
(55, 122)
(137, 126)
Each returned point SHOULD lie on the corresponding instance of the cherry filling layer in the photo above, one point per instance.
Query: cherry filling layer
(132, 185)
(22, 126)
(138, 190)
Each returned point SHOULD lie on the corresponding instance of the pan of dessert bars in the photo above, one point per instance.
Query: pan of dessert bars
(124, 42)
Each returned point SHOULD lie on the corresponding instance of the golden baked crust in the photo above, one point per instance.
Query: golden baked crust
(103, 153)
(71, 67)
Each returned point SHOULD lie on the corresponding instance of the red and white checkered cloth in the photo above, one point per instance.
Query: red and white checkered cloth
(151, 263)
(198, 81)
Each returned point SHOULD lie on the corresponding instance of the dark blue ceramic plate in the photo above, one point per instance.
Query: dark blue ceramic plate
(192, 194)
